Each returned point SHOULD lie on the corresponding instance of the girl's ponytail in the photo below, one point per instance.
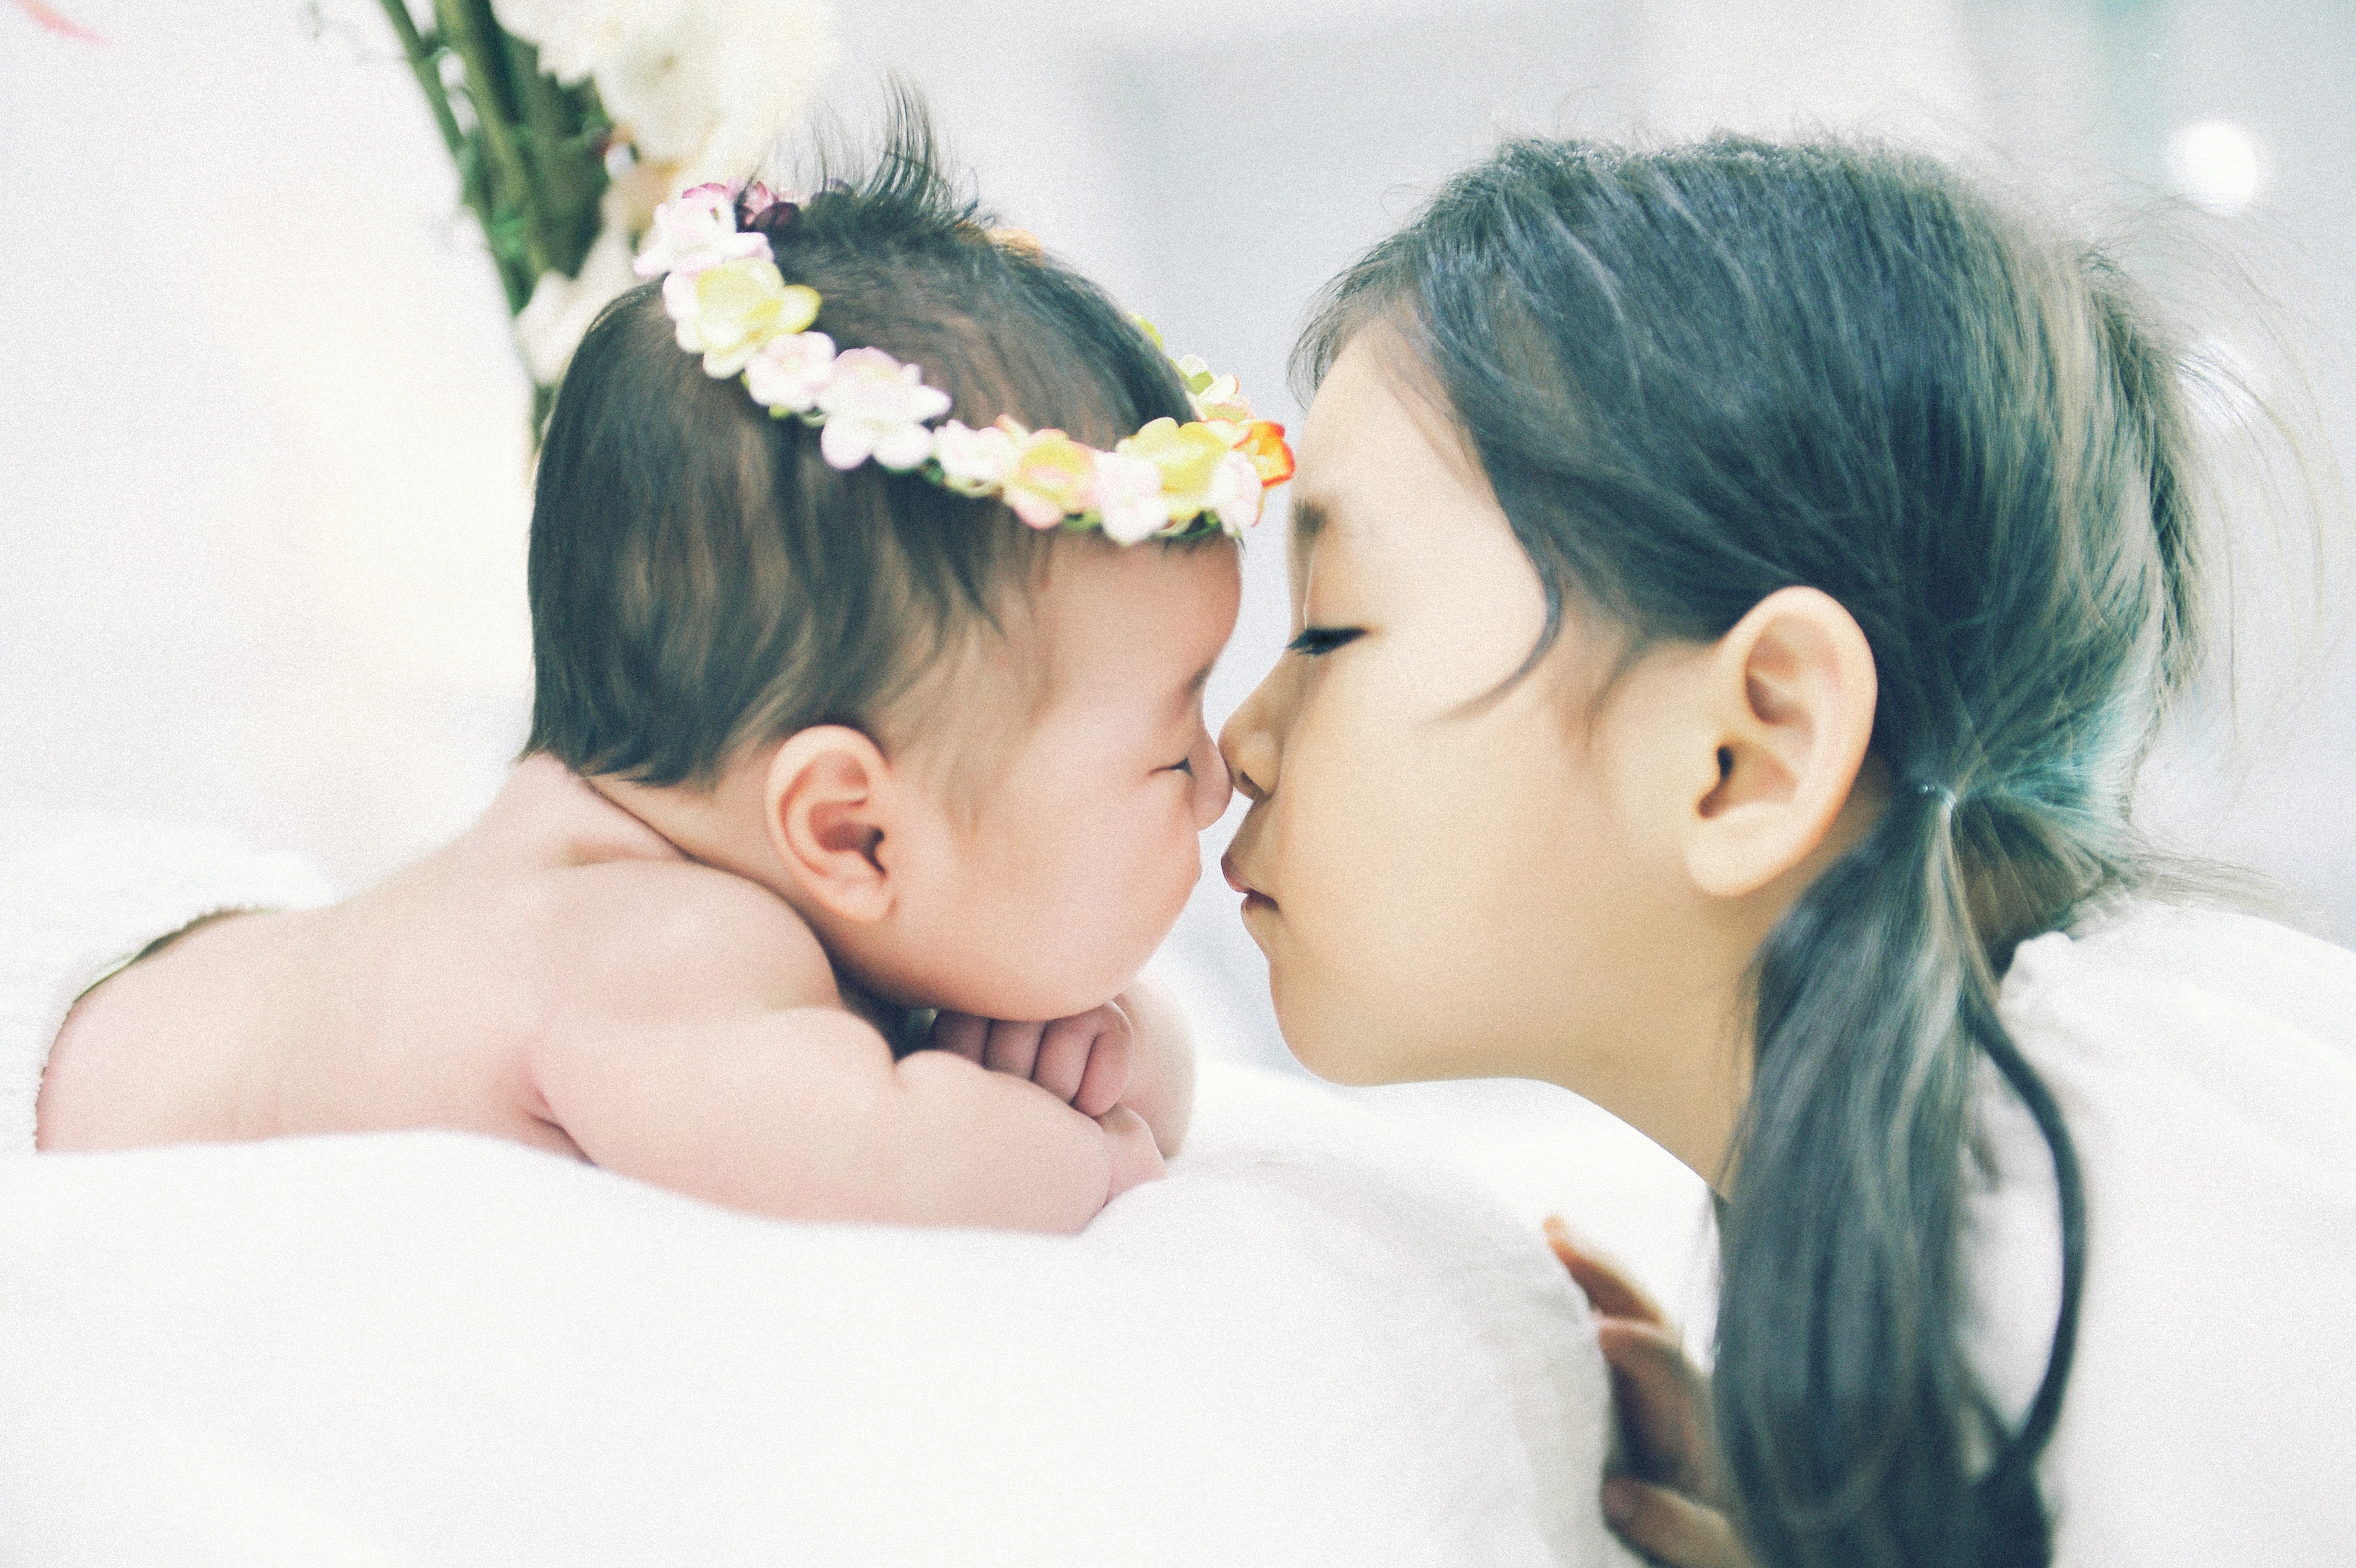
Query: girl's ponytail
(1841, 1379)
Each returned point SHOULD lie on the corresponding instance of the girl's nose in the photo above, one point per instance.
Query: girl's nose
(1249, 748)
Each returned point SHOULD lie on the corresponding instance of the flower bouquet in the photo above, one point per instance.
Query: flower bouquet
(571, 120)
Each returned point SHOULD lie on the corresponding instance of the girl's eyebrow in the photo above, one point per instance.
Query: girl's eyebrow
(1308, 518)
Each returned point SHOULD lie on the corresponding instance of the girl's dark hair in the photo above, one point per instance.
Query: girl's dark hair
(1697, 376)
(701, 580)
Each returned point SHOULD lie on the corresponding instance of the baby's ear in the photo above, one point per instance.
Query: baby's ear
(827, 806)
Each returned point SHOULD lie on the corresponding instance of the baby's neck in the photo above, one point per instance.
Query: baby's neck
(720, 827)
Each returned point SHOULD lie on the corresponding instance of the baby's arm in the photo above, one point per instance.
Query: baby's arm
(803, 1114)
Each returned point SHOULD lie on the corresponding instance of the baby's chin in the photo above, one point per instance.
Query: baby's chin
(1038, 997)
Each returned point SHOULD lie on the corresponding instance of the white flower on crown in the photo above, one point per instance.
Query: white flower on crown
(1235, 493)
(1128, 497)
(876, 407)
(696, 232)
(973, 462)
(790, 373)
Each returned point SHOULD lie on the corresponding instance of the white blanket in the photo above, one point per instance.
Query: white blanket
(1316, 1342)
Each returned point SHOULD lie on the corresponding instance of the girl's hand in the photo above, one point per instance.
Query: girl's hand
(1083, 1060)
(1671, 1504)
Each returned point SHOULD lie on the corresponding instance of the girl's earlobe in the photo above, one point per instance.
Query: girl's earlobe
(1791, 689)
(828, 807)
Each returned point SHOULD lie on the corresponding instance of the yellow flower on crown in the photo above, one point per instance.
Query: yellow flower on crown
(1188, 456)
(1052, 477)
(727, 312)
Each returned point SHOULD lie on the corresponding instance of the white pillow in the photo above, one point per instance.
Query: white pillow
(1311, 1344)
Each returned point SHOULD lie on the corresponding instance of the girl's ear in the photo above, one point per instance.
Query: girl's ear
(1790, 693)
(829, 805)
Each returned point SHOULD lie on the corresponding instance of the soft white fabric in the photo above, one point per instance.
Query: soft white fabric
(1315, 1342)
(80, 894)
(2206, 1065)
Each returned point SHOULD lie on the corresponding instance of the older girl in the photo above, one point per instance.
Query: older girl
(1735, 587)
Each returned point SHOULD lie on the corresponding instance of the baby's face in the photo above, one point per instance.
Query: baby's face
(1077, 848)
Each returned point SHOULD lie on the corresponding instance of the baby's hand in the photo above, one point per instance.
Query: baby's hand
(1083, 1059)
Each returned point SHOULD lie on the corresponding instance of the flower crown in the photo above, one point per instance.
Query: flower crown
(730, 305)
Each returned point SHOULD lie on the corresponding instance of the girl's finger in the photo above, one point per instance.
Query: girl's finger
(1671, 1529)
(1014, 1048)
(1664, 1405)
(1611, 1292)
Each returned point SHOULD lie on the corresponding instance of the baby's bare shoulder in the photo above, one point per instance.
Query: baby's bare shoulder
(675, 938)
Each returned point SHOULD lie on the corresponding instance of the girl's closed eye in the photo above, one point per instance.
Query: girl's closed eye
(1316, 641)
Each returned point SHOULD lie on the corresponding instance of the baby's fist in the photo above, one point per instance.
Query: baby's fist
(1083, 1059)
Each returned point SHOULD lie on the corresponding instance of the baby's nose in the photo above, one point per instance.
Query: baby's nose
(1211, 786)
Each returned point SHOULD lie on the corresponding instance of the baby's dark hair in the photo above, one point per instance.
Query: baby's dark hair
(701, 580)
(1699, 375)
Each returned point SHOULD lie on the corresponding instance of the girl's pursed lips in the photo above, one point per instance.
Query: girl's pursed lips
(1252, 895)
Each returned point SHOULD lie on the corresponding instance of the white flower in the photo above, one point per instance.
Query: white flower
(1221, 400)
(778, 51)
(661, 79)
(696, 232)
(1236, 492)
(1128, 497)
(550, 326)
(973, 462)
(574, 36)
(790, 373)
(876, 407)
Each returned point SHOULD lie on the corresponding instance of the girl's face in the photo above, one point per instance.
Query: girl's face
(1443, 869)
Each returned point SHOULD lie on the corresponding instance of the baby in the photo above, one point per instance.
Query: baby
(848, 713)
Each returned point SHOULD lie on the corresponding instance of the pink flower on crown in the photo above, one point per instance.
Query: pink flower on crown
(973, 462)
(789, 373)
(1128, 497)
(1235, 493)
(876, 407)
(697, 232)
(1053, 476)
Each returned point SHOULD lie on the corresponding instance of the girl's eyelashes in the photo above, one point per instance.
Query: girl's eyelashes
(1315, 641)
(1183, 765)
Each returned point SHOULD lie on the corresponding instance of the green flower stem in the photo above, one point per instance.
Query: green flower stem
(559, 129)
(469, 30)
(421, 61)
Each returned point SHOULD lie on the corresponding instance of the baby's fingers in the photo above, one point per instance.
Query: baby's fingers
(1063, 1061)
(961, 1034)
(1014, 1048)
(1671, 1529)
